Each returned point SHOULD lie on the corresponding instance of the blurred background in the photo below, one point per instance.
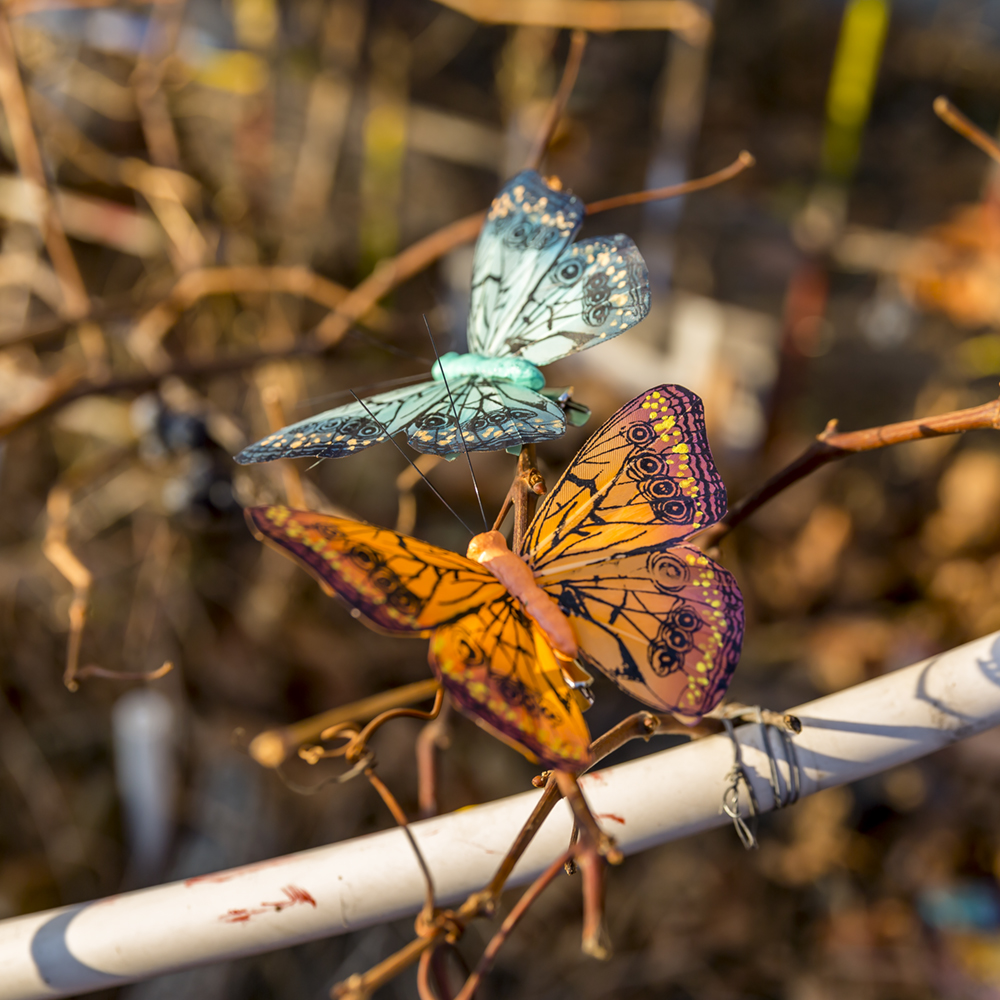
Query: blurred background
(185, 186)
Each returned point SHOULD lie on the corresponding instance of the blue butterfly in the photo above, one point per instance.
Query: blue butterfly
(536, 297)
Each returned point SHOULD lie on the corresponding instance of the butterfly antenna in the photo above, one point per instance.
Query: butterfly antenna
(410, 460)
(458, 427)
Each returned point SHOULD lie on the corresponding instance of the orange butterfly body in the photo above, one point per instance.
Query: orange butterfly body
(604, 578)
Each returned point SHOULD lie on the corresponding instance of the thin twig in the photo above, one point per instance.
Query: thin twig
(400, 817)
(512, 920)
(92, 670)
(741, 163)
(557, 106)
(483, 903)
(831, 445)
(950, 115)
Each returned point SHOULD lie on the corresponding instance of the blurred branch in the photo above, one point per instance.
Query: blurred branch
(29, 162)
(951, 116)
(162, 32)
(686, 18)
(392, 272)
(56, 549)
(832, 444)
(557, 106)
(150, 329)
(272, 747)
(433, 737)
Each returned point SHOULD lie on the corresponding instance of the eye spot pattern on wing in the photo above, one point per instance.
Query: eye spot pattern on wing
(646, 478)
(594, 291)
(666, 626)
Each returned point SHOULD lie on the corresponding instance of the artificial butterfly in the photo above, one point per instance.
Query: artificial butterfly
(606, 549)
(536, 297)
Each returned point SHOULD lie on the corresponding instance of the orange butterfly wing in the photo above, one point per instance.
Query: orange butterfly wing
(645, 479)
(499, 668)
(658, 617)
(394, 582)
(666, 626)
(489, 655)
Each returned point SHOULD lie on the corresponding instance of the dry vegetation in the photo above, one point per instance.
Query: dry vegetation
(218, 216)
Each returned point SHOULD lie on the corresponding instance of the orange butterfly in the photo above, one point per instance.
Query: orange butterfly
(604, 579)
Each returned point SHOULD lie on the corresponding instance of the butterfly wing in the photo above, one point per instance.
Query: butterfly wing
(395, 583)
(527, 227)
(645, 480)
(493, 414)
(594, 291)
(347, 429)
(500, 670)
(666, 626)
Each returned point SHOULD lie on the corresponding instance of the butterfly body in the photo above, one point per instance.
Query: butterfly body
(452, 366)
(490, 550)
(607, 546)
(536, 297)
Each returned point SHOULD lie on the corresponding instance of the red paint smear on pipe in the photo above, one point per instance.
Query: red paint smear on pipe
(293, 895)
(617, 819)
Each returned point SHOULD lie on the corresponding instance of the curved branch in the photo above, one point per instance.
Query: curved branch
(832, 444)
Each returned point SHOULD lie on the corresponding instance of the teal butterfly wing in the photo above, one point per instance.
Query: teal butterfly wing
(536, 296)
(535, 293)
(415, 410)
(492, 413)
(529, 224)
(596, 290)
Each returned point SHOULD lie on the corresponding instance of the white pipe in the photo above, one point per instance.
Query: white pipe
(357, 883)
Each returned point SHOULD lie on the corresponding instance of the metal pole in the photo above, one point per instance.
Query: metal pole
(343, 887)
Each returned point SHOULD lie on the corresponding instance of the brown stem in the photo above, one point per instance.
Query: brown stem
(361, 986)
(92, 670)
(358, 746)
(433, 737)
(593, 867)
(741, 163)
(272, 747)
(528, 485)
(554, 113)
(400, 817)
(831, 445)
(569, 786)
(513, 919)
(483, 903)
(291, 477)
(950, 115)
